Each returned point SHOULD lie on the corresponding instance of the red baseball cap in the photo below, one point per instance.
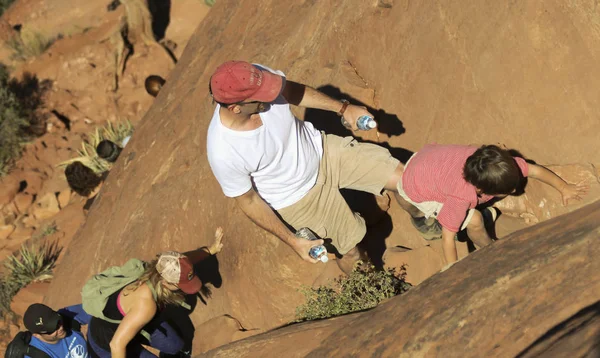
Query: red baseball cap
(237, 81)
(177, 269)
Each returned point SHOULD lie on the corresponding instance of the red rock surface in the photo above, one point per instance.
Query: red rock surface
(535, 292)
(520, 74)
(80, 67)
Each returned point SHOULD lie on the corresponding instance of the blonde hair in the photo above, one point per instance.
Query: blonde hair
(164, 296)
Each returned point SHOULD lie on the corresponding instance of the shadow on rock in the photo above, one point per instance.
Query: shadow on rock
(330, 122)
(207, 271)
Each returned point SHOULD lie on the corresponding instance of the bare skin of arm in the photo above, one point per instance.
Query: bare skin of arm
(308, 97)
(262, 215)
(567, 191)
(140, 308)
(449, 246)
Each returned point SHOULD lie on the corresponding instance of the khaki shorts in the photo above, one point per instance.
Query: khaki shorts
(346, 163)
(430, 208)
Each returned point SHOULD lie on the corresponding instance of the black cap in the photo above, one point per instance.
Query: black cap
(40, 318)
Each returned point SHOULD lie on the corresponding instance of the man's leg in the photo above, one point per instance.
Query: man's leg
(392, 185)
(349, 260)
(408, 207)
(325, 211)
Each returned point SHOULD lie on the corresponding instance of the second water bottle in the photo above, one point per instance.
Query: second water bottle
(317, 252)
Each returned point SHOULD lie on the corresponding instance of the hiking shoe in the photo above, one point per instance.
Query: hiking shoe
(429, 228)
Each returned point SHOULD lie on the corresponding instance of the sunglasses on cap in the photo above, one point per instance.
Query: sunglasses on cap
(58, 325)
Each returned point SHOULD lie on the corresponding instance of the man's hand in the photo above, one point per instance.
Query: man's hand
(303, 246)
(573, 191)
(260, 213)
(352, 114)
(217, 245)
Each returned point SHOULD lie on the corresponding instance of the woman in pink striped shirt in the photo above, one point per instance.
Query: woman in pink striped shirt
(447, 182)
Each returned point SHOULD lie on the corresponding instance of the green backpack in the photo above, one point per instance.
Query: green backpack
(97, 290)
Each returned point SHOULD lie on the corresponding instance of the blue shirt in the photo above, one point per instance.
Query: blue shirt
(72, 346)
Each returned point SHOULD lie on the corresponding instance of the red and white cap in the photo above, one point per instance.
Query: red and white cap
(237, 81)
(177, 269)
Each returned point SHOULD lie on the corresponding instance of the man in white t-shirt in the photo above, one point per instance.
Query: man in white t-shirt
(269, 160)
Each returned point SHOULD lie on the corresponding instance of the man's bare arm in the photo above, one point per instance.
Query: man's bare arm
(262, 215)
(305, 96)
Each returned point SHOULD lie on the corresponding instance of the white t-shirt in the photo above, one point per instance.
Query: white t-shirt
(281, 157)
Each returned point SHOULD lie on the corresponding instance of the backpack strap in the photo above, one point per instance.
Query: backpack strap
(20, 347)
(35, 352)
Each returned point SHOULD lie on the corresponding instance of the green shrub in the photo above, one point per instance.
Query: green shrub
(28, 44)
(363, 289)
(12, 124)
(210, 2)
(87, 154)
(33, 263)
(19, 119)
(48, 230)
(4, 4)
(8, 289)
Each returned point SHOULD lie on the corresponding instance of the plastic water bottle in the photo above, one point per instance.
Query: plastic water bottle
(364, 123)
(318, 252)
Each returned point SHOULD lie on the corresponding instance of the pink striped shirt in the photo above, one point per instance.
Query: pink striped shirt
(435, 173)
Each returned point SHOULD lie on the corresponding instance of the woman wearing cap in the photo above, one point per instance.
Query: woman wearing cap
(171, 276)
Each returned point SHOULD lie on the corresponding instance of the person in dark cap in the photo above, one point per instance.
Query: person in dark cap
(50, 334)
(108, 150)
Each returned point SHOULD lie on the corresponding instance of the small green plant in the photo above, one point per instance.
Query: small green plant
(20, 119)
(8, 289)
(28, 44)
(87, 154)
(4, 4)
(33, 263)
(13, 121)
(48, 230)
(363, 289)
(210, 2)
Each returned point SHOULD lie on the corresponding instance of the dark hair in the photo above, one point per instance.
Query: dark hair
(82, 179)
(153, 84)
(493, 171)
(108, 151)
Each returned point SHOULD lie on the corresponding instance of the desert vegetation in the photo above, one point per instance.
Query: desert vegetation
(4, 4)
(27, 44)
(87, 154)
(34, 262)
(365, 288)
(19, 117)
